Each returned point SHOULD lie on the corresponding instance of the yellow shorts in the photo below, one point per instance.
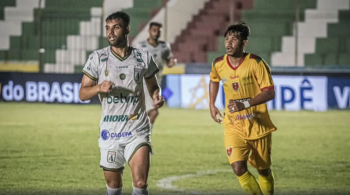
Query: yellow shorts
(256, 152)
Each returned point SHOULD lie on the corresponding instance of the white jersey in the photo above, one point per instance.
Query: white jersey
(123, 109)
(161, 53)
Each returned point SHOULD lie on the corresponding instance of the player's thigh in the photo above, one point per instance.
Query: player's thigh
(261, 153)
(138, 155)
(237, 148)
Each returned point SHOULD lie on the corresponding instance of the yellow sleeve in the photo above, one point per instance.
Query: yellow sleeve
(263, 75)
(214, 76)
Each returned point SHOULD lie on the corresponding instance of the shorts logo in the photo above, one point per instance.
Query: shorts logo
(235, 86)
(229, 151)
(105, 134)
(111, 156)
(137, 75)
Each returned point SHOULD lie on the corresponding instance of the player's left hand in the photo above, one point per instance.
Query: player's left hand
(234, 106)
(158, 101)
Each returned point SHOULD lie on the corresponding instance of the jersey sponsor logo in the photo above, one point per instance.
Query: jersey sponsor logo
(235, 86)
(122, 66)
(115, 118)
(229, 151)
(123, 99)
(104, 59)
(244, 116)
(120, 118)
(106, 135)
(243, 100)
(137, 75)
(111, 156)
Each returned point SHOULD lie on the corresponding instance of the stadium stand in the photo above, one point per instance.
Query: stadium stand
(319, 35)
(201, 33)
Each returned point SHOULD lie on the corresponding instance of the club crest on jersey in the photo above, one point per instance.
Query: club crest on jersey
(137, 75)
(122, 76)
(235, 86)
(229, 151)
(111, 156)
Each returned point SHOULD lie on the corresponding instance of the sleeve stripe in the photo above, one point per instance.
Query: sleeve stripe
(267, 88)
(155, 72)
(88, 75)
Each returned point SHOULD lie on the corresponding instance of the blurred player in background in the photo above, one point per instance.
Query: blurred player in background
(116, 74)
(248, 85)
(162, 55)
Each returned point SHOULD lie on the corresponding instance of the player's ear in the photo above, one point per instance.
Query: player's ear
(245, 42)
(127, 30)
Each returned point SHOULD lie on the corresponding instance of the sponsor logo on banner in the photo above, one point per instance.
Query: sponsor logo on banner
(235, 86)
(339, 93)
(42, 91)
(298, 92)
(194, 92)
(111, 156)
(229, 151)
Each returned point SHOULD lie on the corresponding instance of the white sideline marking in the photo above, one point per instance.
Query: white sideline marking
(166, 183)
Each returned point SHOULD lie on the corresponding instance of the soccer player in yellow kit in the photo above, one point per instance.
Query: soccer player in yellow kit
(248, 85)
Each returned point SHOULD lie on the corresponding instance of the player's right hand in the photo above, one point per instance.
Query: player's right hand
(214, 111)
(105, 86)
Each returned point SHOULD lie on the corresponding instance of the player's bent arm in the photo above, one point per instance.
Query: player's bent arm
(153, 87)
(88, 88)
(265, 96)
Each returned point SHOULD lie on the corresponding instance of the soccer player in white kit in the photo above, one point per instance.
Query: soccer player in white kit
(162, 55)
(116, 74)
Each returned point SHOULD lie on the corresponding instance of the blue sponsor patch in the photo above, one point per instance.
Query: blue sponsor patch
(105, 134)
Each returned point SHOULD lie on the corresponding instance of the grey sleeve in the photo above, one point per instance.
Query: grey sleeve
(152, 67)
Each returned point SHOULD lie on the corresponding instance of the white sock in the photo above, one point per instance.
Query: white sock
(139, 191)
(111, 191)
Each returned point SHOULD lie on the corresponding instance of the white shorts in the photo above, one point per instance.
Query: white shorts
(114, 159)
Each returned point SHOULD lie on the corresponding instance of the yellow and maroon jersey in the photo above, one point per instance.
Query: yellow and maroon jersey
(243, 83)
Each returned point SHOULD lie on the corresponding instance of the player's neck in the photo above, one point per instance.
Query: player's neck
(122, 51)
(152, 42)
(236, 60)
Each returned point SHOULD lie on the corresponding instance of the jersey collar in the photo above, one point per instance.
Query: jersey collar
(119, 57)
(242, 60)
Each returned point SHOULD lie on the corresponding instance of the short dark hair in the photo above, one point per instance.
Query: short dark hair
(241, 27)
(155, 24)
(119, 15)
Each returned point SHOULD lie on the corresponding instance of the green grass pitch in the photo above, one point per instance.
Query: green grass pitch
(53, 149)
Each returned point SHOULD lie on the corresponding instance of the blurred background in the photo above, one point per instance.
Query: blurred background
(295, 37)
(44, 45)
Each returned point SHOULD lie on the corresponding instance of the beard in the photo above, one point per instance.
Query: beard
(117, 42)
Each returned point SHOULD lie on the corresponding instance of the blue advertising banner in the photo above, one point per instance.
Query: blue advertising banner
(37, 87)
(338, 93)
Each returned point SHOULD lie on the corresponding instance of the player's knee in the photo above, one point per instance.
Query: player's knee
(114, 184)
(264, 172)
(140, 184)
(239, 168)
